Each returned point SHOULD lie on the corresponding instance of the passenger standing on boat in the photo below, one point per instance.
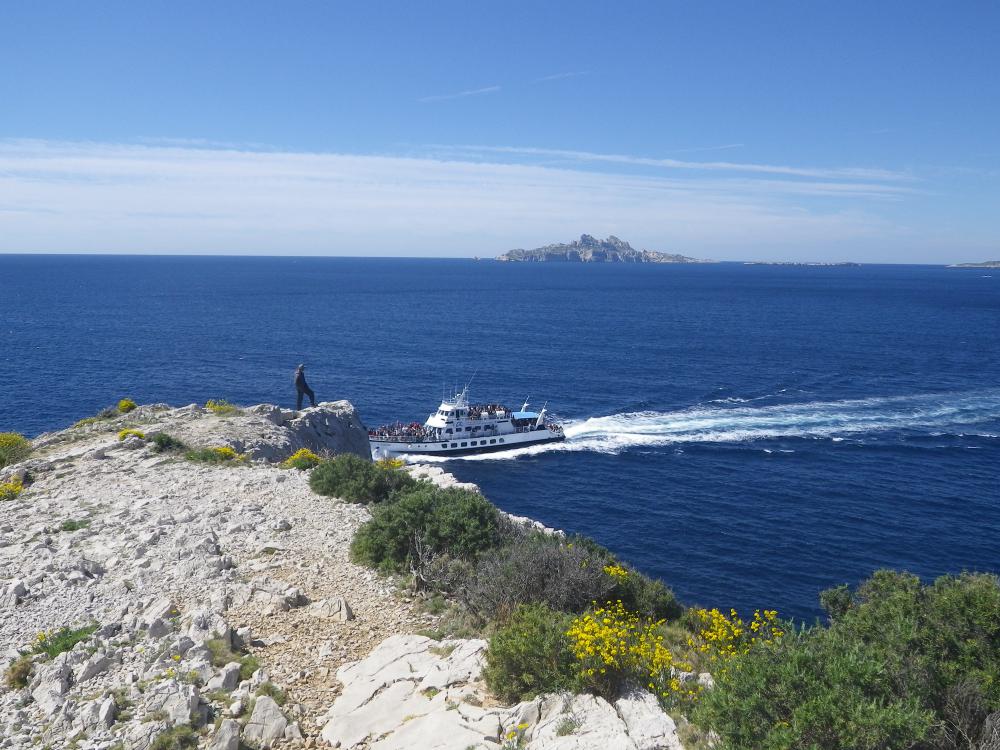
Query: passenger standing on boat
(302, 387)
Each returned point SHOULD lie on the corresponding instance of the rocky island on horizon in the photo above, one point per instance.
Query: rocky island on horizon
(983, 264)
(589, 249)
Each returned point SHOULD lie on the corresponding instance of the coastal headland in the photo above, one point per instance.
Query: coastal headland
(205, 594)
(229, 577)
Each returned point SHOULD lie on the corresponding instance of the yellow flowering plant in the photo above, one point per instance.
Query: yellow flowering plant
(614, 647)
(10, 490)
(126, 405)
(720, 637)
(127, 433)
(616, 572)
(302, 459)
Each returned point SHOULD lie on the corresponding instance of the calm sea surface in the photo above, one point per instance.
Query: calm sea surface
(751, 434)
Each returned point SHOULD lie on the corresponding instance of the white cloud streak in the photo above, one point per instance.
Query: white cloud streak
(561, 76)
(716, 166)
(97, 197)
(459, 95)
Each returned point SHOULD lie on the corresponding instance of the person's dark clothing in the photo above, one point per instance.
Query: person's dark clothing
(301, 387)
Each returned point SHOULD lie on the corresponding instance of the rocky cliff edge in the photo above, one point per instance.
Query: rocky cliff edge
(202, 605)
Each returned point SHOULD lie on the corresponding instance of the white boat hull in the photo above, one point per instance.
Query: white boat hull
(465, 446)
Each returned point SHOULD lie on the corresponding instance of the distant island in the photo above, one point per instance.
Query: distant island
(842, 264)
(592, 250)
(984, 264)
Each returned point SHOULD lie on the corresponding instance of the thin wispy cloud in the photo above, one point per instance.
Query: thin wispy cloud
(458, 95)
(723, 147)
(561, 76)
(105, 197)
(861, 173)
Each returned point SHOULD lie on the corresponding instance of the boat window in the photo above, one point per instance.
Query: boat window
(464, 444)
(501, 440)
(448, 430)
(492, 441)
(454, 445)
(444, 445)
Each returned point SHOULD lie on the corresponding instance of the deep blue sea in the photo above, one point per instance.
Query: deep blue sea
(751, 434)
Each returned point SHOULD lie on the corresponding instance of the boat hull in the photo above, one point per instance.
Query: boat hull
(389, 448)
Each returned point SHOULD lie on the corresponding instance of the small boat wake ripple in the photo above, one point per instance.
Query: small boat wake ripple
(931, 414)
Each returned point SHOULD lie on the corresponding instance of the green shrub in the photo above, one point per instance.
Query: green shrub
(219, 455)
(359, 481)
(164, 443)
(248, 665)
(55, 642)
(538, 568)
(422, 520)
(14, 448)
(272, 691)
(103, 415)
(902, 665)
(303, 459)
(126, 405)
(18, 674)
(10, 490)
(647, 596)
(71, 525)
(180, 737)
(128, 432)
(530, 655)
(222, 407)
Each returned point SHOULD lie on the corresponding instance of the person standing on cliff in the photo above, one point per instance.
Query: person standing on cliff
(302, 387)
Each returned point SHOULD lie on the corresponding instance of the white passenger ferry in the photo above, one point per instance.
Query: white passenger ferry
(458, 427)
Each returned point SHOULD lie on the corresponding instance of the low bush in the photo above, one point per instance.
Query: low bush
(222, 654)
(10, 490)
(218, 455)
(164, 443)
(901, 665)
(127, 433)
(54, 642)
(71, 525)
(103, 415)
(222, 407)
(359, 481)
(530, 655)
(272, 691)
(647, 596)
(180, 737)
(126, 405)
(537, 569)
(615, 648)
(14, 448)
(426, 520)
(303, 459)
(18, 674)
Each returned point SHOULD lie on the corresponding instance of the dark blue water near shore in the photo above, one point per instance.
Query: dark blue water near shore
(752, 434)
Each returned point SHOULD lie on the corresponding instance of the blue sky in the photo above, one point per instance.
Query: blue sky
(782, 130)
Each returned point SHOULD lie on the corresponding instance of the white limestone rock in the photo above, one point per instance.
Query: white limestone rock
(227, 736)
(335, 608)
(266, 724)
(649, 727)
(226, 679)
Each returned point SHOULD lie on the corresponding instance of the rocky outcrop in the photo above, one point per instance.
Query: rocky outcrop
(264, 432)
(414, 692)
(222, 595)
(186, 570)
(592, 250)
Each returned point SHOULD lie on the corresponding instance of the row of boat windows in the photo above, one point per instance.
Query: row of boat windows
(466, 445)
(467, 429)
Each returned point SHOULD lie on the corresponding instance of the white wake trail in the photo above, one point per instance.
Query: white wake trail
(821, 419)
